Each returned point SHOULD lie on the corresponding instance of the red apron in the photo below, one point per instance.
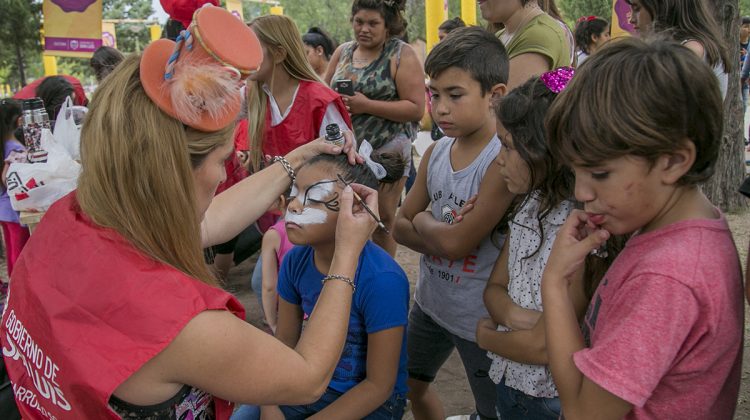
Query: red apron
(86, 310)
(301, 126)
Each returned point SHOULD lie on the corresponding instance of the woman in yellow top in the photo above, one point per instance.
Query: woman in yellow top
(535, 40)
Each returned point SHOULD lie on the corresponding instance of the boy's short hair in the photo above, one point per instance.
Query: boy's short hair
(640, 98)
(474, 50)
(745, 20)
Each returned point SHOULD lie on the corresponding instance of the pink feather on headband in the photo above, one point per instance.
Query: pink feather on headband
(197, 88)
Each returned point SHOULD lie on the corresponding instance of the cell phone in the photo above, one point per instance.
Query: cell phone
(344, 87)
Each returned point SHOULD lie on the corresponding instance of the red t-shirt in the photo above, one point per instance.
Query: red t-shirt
(666, 324)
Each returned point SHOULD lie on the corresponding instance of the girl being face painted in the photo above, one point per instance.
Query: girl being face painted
(313, 206)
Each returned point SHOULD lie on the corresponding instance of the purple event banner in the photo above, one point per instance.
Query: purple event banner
(85, 45)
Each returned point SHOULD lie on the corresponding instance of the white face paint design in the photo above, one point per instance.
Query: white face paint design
(320, 192)
(310, 216)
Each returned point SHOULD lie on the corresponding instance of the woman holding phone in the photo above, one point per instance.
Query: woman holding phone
(387, 96)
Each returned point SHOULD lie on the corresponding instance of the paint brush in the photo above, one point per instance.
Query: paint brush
(362, 203)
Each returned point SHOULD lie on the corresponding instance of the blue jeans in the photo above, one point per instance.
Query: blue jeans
(392, 409)
(513, 404)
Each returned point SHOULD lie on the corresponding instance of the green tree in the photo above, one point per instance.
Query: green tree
(131, 37)
(330, 15)
(744, 7)
(21, 39)
(573, 9)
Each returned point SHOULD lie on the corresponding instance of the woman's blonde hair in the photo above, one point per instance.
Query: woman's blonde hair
(276, 33)
(137, 173)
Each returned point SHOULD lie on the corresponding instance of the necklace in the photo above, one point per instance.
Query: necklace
(360, 62)
(529, 12)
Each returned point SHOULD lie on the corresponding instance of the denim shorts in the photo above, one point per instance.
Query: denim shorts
(391, 409)
(429, 345)
(513, 404)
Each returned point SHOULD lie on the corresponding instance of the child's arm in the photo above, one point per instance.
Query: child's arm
(455, 241)
(289, 323)
(416, 201)
(529, 345)
(288, 331)
(499, 304)
(270, 275)
(579, 396)
(383, 351)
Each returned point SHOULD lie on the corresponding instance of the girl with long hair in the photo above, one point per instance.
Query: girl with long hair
(690, 23)
(287, 103)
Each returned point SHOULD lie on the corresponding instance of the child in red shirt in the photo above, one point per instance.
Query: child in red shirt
(640, 125)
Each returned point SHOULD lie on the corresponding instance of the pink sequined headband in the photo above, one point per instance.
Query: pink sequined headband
(557, 79)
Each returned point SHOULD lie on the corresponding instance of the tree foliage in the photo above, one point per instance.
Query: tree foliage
(131, 37)
(573, 9)
(20, 38)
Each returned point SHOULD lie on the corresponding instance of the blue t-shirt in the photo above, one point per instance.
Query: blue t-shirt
(380, 302)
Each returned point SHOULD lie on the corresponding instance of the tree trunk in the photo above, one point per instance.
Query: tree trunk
(722, 188)
(19, 64)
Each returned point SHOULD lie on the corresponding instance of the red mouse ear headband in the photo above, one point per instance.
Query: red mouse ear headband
(585, 19)
(182, 10)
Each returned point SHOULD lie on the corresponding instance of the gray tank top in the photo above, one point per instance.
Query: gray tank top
(450, 292)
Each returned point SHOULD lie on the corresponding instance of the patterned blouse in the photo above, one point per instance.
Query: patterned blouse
(525, 268)
(375, 81)
(189, 404)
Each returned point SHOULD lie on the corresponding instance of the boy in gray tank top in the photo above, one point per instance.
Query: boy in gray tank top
(467, 70)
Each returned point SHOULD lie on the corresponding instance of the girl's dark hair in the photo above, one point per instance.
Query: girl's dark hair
(360, 173)
(522, 112)
(53, 91)
(451, 24)
(10, 110)
(690, 20)
(104, 60)
(316, 37)
(390, 10)
(586, 29)
(682, 102)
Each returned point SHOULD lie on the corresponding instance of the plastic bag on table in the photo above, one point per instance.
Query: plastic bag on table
(67, 130)
(36, 186)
